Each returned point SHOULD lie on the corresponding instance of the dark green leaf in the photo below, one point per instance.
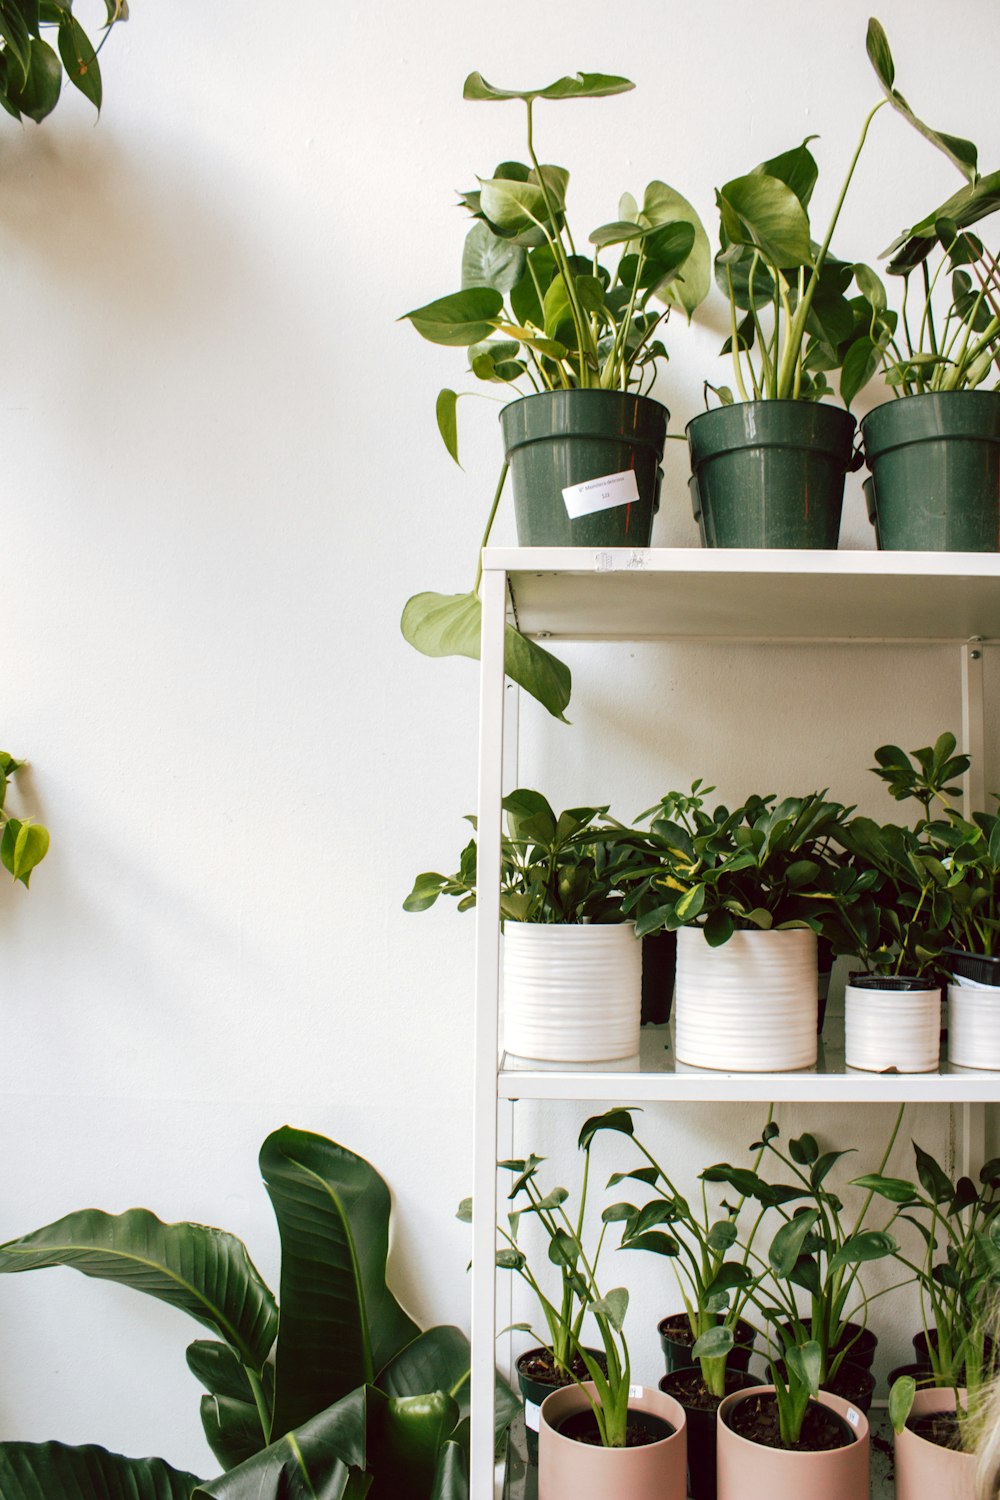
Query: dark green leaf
(870, 1244)
(232, 1429)
(201, 1271)
(52, 1471)
(786, 1247)
(39, 94)
(619, 1120)
(893, 1188)
(935, 1182)
(80, 59)
(340, 1323)
(803, 1150)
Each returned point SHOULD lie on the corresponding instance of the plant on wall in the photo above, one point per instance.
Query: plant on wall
(23, 844)
(31, 70)
(340, 1396)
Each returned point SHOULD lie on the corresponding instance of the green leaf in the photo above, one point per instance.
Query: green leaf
(579, 86)
(803, 1150)
(935, 1182)
(961, 153)
(714, 1344)
(690, 904)
(464, 318)
(861, 363)
(232, 1429)
(340, 1323)
(870, 1244)
(805, 1362)
(204, 1272)
(80, 59)
(519, 207)
(796, 168)
(763, 211)
(664, 205)
(446, 412)
(451, 1482)
(14, 30)
(30, 847)
(488, 260)
(53, 1471)
(449, 625)
(619, 1120)
(613, 1307)
(901, 1401)
(38, 96)
(786, 1247)
(722, 1235)
(439, 1360)
(218, 1368)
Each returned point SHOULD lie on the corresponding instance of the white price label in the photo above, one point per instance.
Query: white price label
(531, 1419)
(852, 1416)
(636, 1392)
(600, 494)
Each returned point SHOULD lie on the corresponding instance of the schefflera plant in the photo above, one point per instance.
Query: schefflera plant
(31, 71)
(535, 314)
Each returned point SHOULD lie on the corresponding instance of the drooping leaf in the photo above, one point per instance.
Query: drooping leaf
(961, 153)
(340, 1323)
(53, 1471)
(579, 86)
(619, 1120)
(449, 625)
(661, 205)
(901, 1401)
(763, 211)
(464, 318)
(79, 59)
(38, 96)
(870, 1244)
(786, 1247)
(446, 412)
(204, 1272)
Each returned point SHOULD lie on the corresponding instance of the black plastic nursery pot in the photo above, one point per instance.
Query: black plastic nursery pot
(770, 473)
(702, 1421)
(659, 966)
(534, 1392)
(935, 472)
(677, 1341)
(926, 1338)
(557, 440)
(860, 1343)
(975, 966)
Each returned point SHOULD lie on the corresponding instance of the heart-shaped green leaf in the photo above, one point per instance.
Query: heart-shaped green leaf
(464, 318)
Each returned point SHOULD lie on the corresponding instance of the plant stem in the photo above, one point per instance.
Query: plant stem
(489, 525)
(558, 250)
(260, 1401)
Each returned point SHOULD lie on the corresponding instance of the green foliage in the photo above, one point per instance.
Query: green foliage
(23, 844)
(536, 314)
(555, 869)
(342, 1396)
(950, 341)
(31, 71)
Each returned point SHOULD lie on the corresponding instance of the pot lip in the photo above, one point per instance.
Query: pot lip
(836, 1404)
(892, 983)
(754, 934)
(571, 927)
(835, 414)
(652, 1400)
(988, 398)
(750, 1382)
(934, 1398)
(585, 393)
(862, 1330)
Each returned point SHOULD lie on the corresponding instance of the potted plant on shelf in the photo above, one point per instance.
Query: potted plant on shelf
(572, 970)
(32, 72)
(746, 891)
(963, 859)
(23, 844)
(584, 339)
(768, 465)
(934, 455)
(958, 1277)
(707, 1347)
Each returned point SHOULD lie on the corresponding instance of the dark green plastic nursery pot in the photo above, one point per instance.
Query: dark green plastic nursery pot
(561, 438)
(935, 472)
(770, 473)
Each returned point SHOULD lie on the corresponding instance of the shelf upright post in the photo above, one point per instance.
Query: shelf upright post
(491, 717)
(972, 1143)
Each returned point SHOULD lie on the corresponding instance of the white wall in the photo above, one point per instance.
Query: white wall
(222, 482)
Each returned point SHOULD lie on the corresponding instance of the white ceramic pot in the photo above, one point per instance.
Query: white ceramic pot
(748, 1471)
(749, 1006)
(974, 1027)
(571, 993)
(569, 1470)
(925, 1471)
(899, 1029)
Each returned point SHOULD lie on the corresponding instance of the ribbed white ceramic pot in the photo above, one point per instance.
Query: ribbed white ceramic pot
(749, 1006)
(898, 1029)
(571, 993)
(973, 1027)
(925, 1471)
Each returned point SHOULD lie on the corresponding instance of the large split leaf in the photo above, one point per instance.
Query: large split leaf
(202, 1271)
(449, 625)
(53, 1471)
(340, 1323)
(579, 86)
(961, 153)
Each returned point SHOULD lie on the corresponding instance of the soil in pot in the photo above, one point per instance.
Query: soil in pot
(677, 1341)
(939, 1427)
(643, 1428)
(854, 1383)
(700, 1406)
(537, 1375)
(756, 1419)
(858, 1343)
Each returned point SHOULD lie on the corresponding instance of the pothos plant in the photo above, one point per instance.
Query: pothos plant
(946, 337)
(23, 844)
(342, 1396)
(535, 314)
(579, 1293)
(31, 70)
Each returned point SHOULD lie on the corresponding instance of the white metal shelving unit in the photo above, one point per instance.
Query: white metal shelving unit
(688, 595)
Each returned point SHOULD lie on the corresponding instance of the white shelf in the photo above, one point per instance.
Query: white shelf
(709, 594)
(656, 1075)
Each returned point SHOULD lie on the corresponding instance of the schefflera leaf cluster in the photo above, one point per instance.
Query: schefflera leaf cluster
(31, 69)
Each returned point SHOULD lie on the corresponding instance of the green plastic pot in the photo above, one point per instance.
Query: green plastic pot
(935, 472)
(557, 439)
(770, 473)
